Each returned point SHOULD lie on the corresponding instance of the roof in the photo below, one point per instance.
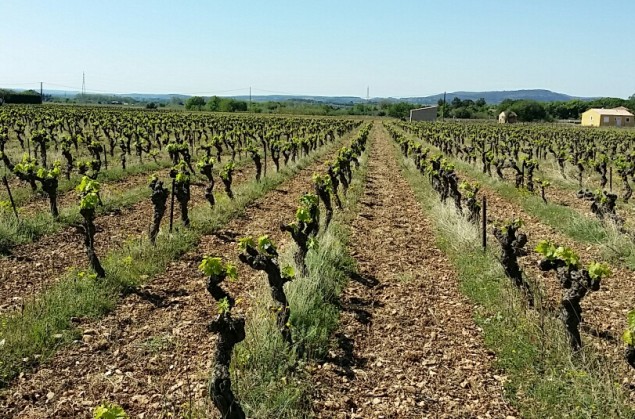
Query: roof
(424, 108)
(612, 112)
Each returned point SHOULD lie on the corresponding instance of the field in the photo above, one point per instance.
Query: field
(173, 264)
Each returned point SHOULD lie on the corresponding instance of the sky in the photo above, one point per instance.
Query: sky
(333, 48)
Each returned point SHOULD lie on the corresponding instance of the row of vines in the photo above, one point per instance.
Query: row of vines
(577, 280)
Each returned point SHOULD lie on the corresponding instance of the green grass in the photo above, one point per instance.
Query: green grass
(44, 324)
(268, 377)
(544, 379)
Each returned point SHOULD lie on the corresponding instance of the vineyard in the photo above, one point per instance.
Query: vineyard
(173, 264)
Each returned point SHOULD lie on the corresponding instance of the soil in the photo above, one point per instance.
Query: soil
(407, 345)
(153, 355)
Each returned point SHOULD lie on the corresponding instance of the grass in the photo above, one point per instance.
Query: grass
(268, 377)
(543, 377)
(44, 324)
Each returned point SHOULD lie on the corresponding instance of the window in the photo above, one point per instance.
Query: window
(607, 119)
(628, 119)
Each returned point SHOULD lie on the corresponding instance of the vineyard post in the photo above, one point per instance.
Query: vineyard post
(6, 185)
(172, 205)
(265, 151)
(611, 178)
(484, 223)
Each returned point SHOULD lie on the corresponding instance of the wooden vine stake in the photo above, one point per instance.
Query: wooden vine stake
(6, 185)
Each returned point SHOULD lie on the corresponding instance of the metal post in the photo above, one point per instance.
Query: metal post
(6, 185)
(172, 205)
(484, 222)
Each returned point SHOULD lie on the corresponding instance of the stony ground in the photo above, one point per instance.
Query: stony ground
(407, 345)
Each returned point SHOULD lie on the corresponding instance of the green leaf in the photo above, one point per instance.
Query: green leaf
(288, 272)
(89, 201)
(303, 215)
(598, 270)
(88, 185)
(222, 306)
(211, 266)
(309, 200)
(567, 255)
(246, 242)
(265, 245)
(231, 271)
(629, 338)
(109, 411)
(546, 248)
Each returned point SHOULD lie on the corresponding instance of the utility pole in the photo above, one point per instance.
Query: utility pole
(83, 84)
(249, 97)
(41, 92)
(367, 93)
(443, 108)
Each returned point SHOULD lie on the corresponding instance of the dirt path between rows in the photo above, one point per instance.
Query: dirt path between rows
(407, 344)
(153, 355)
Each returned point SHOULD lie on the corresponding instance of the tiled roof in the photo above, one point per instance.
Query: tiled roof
(612, 112)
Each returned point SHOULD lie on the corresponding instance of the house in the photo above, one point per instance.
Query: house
(507, 117)
(429, 113)
(617, 117)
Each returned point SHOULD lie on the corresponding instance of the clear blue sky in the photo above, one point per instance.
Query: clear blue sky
(398, 48)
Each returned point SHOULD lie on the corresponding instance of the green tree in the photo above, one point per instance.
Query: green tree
(195, 103)
(462, 113)
(529, 110)
(213, 104)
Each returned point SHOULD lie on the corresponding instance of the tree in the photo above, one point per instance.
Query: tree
(195, 103)
(527, 110)
(213, 104)
(462, 113)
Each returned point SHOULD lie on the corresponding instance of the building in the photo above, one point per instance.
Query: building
(507, 117)
(429, 113)
(618, 117)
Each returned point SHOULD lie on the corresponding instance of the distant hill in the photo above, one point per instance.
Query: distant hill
(335, 100)
(495, 97)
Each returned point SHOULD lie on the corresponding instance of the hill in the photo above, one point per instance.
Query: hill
(495, 97)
